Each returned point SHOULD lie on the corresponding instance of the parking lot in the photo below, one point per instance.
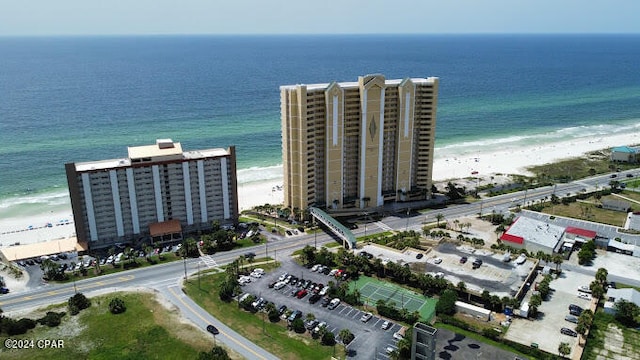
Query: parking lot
(342, 317)
(498, 277)
(545, 330)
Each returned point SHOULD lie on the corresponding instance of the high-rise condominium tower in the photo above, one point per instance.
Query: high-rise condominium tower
(358, 144)
(157, 192)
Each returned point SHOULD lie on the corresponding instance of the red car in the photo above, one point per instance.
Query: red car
(302, 293)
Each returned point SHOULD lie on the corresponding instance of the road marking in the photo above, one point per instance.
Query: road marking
(170, 288)
(208, 261)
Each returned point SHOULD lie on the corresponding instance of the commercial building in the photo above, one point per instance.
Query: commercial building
(533, 235)
(423, 344)
(615, 295)
(358, 144)
(155, 194)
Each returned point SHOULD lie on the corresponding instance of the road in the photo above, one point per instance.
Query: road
(166, 279)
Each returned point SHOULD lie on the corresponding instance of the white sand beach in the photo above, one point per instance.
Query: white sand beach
(504, 160)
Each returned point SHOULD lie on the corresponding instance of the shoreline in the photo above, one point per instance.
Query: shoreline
(508, 160)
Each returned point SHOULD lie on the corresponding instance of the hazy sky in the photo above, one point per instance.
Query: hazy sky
(84, 17)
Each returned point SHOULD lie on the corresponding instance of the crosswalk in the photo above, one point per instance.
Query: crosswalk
(383, 226)
(208, 261)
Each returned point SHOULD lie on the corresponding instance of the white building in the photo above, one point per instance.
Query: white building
(157, 191)
(533, 235)
(614, 295)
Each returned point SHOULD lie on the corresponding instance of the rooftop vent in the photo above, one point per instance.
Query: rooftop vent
(164, 143)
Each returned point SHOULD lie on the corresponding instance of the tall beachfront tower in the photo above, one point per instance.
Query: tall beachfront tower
(155, 194)
(358, 144)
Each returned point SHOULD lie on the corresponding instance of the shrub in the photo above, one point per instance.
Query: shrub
(328, 338)
(117, 306)
(52, 319)
(77, 303)
(298, 326)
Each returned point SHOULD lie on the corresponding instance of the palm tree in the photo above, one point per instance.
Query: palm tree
(346, 336)
(557, 259)
(601, 276)
(564, 349)
(439, 217)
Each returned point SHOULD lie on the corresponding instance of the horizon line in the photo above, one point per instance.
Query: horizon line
(318, 34)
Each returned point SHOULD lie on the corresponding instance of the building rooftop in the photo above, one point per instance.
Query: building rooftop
(354, 84)
(163, 147)
(163, 150)
(625, 149)
(533, 231)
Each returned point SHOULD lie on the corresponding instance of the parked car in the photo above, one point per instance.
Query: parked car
(334, 303)
(311, 324)
(571, 319)
(437, 260)
(585, 296)
(584, 288)
(567, 331)
(366, 317)
(477, 263)
(294, 315)
(314, 298)
(4, 290)
(283, 277)
(575, 307)
(282, 309)
(325, 301)
(279, 285)
(386, 324)
(419, 255)
(320, 326)
(463, 260)
(302, 293)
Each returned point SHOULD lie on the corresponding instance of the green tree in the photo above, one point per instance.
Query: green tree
(534, 302)
(601, 276)
(439, 217)
(447, 303)
(346, 336)
(328, 338)
(216, 353)
(77, 303)
(564, 349)
(627, 312)
(117, 306)
(597, 290)
(298, 325)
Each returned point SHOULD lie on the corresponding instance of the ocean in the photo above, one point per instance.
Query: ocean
(72, 99)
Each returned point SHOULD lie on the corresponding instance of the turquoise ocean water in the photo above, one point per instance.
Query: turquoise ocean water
(70, 99)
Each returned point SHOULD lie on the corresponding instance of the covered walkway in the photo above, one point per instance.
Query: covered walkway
(348, 239)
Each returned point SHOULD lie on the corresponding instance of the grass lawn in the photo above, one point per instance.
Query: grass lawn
(608, 339)
(275, 338)
(147, 330)
(587, 211)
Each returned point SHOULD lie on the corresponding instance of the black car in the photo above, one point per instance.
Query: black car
(325, 301)
(314, 298)
(575, 312)
(568, 331)
(249, 255)
(419, 256)
(326, 270)
(282, 309)
(212, 329)
(463, 260)
(575, 307)
(477, 263)
(272, 284)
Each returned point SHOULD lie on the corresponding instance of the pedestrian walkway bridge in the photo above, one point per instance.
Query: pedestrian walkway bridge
(348, 239)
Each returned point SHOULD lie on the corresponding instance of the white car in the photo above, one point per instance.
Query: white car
(584, 288)
(437, 261)
(334, 303)
(282, 277)
(366, 317)
(256, 275)
(315, 267)
(439, 275)
(584, 296)
(323, 292)
(386, 324)
(279, 285)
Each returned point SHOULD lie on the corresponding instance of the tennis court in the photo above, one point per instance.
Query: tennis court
(372, 290)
